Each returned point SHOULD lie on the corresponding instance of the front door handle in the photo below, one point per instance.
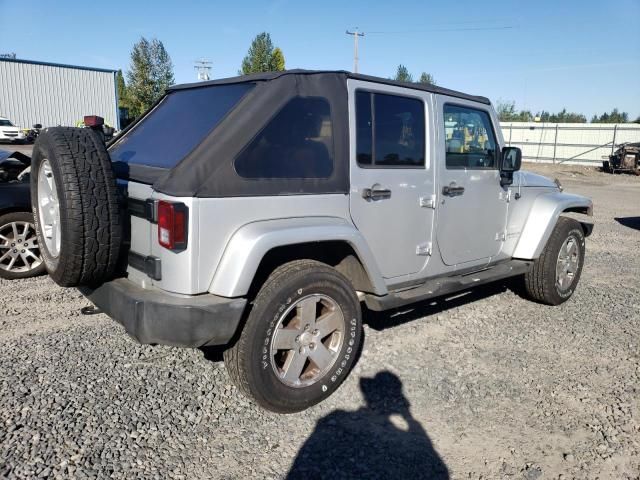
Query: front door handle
(452, 190)
(376, 193)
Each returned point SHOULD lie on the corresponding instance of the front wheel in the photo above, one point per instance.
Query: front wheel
(555, 274)
(300, 340)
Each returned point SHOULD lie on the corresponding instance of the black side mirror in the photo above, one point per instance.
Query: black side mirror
(510, 162)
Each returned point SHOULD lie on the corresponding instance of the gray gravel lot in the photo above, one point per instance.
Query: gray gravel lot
(484, 385)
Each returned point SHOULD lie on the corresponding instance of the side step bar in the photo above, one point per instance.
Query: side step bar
(445, 285)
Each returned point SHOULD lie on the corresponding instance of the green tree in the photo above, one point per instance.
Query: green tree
(562, 117)
(403, 75)
(277, 60)
(507, 112)
(121, 86)
(426, 79)
(614, 117)
(149, 75)
(262, 56)
(162, 68)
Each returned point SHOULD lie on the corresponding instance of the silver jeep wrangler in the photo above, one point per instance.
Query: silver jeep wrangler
(259, 212)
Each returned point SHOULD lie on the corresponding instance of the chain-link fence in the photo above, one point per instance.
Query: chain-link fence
(575, 143)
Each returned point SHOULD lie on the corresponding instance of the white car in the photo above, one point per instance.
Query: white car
(9, 132)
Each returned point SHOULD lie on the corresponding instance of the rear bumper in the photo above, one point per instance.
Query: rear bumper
(159, 317)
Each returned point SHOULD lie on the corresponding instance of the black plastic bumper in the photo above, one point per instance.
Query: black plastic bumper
(158, 317)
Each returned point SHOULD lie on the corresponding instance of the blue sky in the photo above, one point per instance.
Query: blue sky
(582, 55)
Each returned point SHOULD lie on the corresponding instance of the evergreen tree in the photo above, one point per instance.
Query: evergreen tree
(121, 86)
(262, 56)
(277, 60)
(149, 75)
(403, 75)
(614, 117)
(426, 79)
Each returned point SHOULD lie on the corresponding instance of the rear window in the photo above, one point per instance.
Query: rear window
(177, 125)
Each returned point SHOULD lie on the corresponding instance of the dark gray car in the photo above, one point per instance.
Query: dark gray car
(19, 251)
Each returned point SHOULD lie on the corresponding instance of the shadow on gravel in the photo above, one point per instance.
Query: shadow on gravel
(381, 440)
(392, 318)
(631, 222)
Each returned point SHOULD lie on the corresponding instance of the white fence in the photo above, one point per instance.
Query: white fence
(572, 143)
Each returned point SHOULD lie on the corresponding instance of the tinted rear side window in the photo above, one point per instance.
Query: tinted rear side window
(296, 143)
(390, 131)
(177, 125)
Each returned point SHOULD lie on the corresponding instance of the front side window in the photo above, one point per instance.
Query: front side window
(390, 131)
(296, 143)
(469, 138)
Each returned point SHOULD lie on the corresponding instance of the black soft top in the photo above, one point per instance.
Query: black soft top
(267, 76)
(208, 170)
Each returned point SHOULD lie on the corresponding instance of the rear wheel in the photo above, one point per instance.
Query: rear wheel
(555, 274)
(300, 339)
(19, 250)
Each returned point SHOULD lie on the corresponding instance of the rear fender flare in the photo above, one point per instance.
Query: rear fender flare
(251, 242)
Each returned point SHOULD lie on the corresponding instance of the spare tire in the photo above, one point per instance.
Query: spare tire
(75, 206)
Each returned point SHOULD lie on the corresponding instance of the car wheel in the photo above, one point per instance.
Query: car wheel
(555, 274)
(75, 206)
(300, 340)
(19, 249)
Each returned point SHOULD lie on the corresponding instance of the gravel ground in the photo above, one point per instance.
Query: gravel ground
(484, 385)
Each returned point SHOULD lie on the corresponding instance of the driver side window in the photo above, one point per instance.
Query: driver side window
(469, 138)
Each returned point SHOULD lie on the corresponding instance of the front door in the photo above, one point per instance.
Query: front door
(472, 207)
(392, 179)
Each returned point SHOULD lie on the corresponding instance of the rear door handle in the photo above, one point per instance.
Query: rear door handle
(452, 190)
(376, 193)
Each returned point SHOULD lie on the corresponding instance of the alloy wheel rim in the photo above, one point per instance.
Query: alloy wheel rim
(567, 263)
(307, 340)
(19, 249)
(49, 209)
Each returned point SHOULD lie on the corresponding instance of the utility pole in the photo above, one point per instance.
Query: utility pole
(203, 66)
(355, 34)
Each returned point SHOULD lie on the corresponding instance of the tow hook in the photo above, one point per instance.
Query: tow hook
(92, 310)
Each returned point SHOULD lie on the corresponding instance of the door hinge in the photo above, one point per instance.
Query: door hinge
(506, 196)
(501, 236)
(428, 202)
(424, 249)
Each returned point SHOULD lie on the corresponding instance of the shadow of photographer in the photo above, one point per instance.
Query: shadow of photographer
(380, 440)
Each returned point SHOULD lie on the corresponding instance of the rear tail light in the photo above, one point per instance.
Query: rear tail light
(172, 225)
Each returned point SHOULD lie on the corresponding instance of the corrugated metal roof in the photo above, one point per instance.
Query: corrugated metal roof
(61, 65)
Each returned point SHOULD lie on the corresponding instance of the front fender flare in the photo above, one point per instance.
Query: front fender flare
(542, 219)
(251, 242)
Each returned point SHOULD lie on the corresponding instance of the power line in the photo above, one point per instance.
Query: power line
(355, 34)
(461, 29)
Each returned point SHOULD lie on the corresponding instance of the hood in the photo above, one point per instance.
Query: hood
(530, 179)
(10, 129)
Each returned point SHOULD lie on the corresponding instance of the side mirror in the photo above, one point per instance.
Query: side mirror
(510, 162)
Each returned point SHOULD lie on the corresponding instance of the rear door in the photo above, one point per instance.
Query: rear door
(472, 211)
(392, 178)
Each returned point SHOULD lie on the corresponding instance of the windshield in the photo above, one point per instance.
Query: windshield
(177, 125)
(5, 123)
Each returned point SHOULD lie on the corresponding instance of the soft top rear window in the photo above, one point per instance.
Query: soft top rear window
(177, 125)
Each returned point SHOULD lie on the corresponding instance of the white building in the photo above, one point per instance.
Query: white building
(52, 94)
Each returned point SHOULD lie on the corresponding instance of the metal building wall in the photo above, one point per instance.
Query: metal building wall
(50, 94)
